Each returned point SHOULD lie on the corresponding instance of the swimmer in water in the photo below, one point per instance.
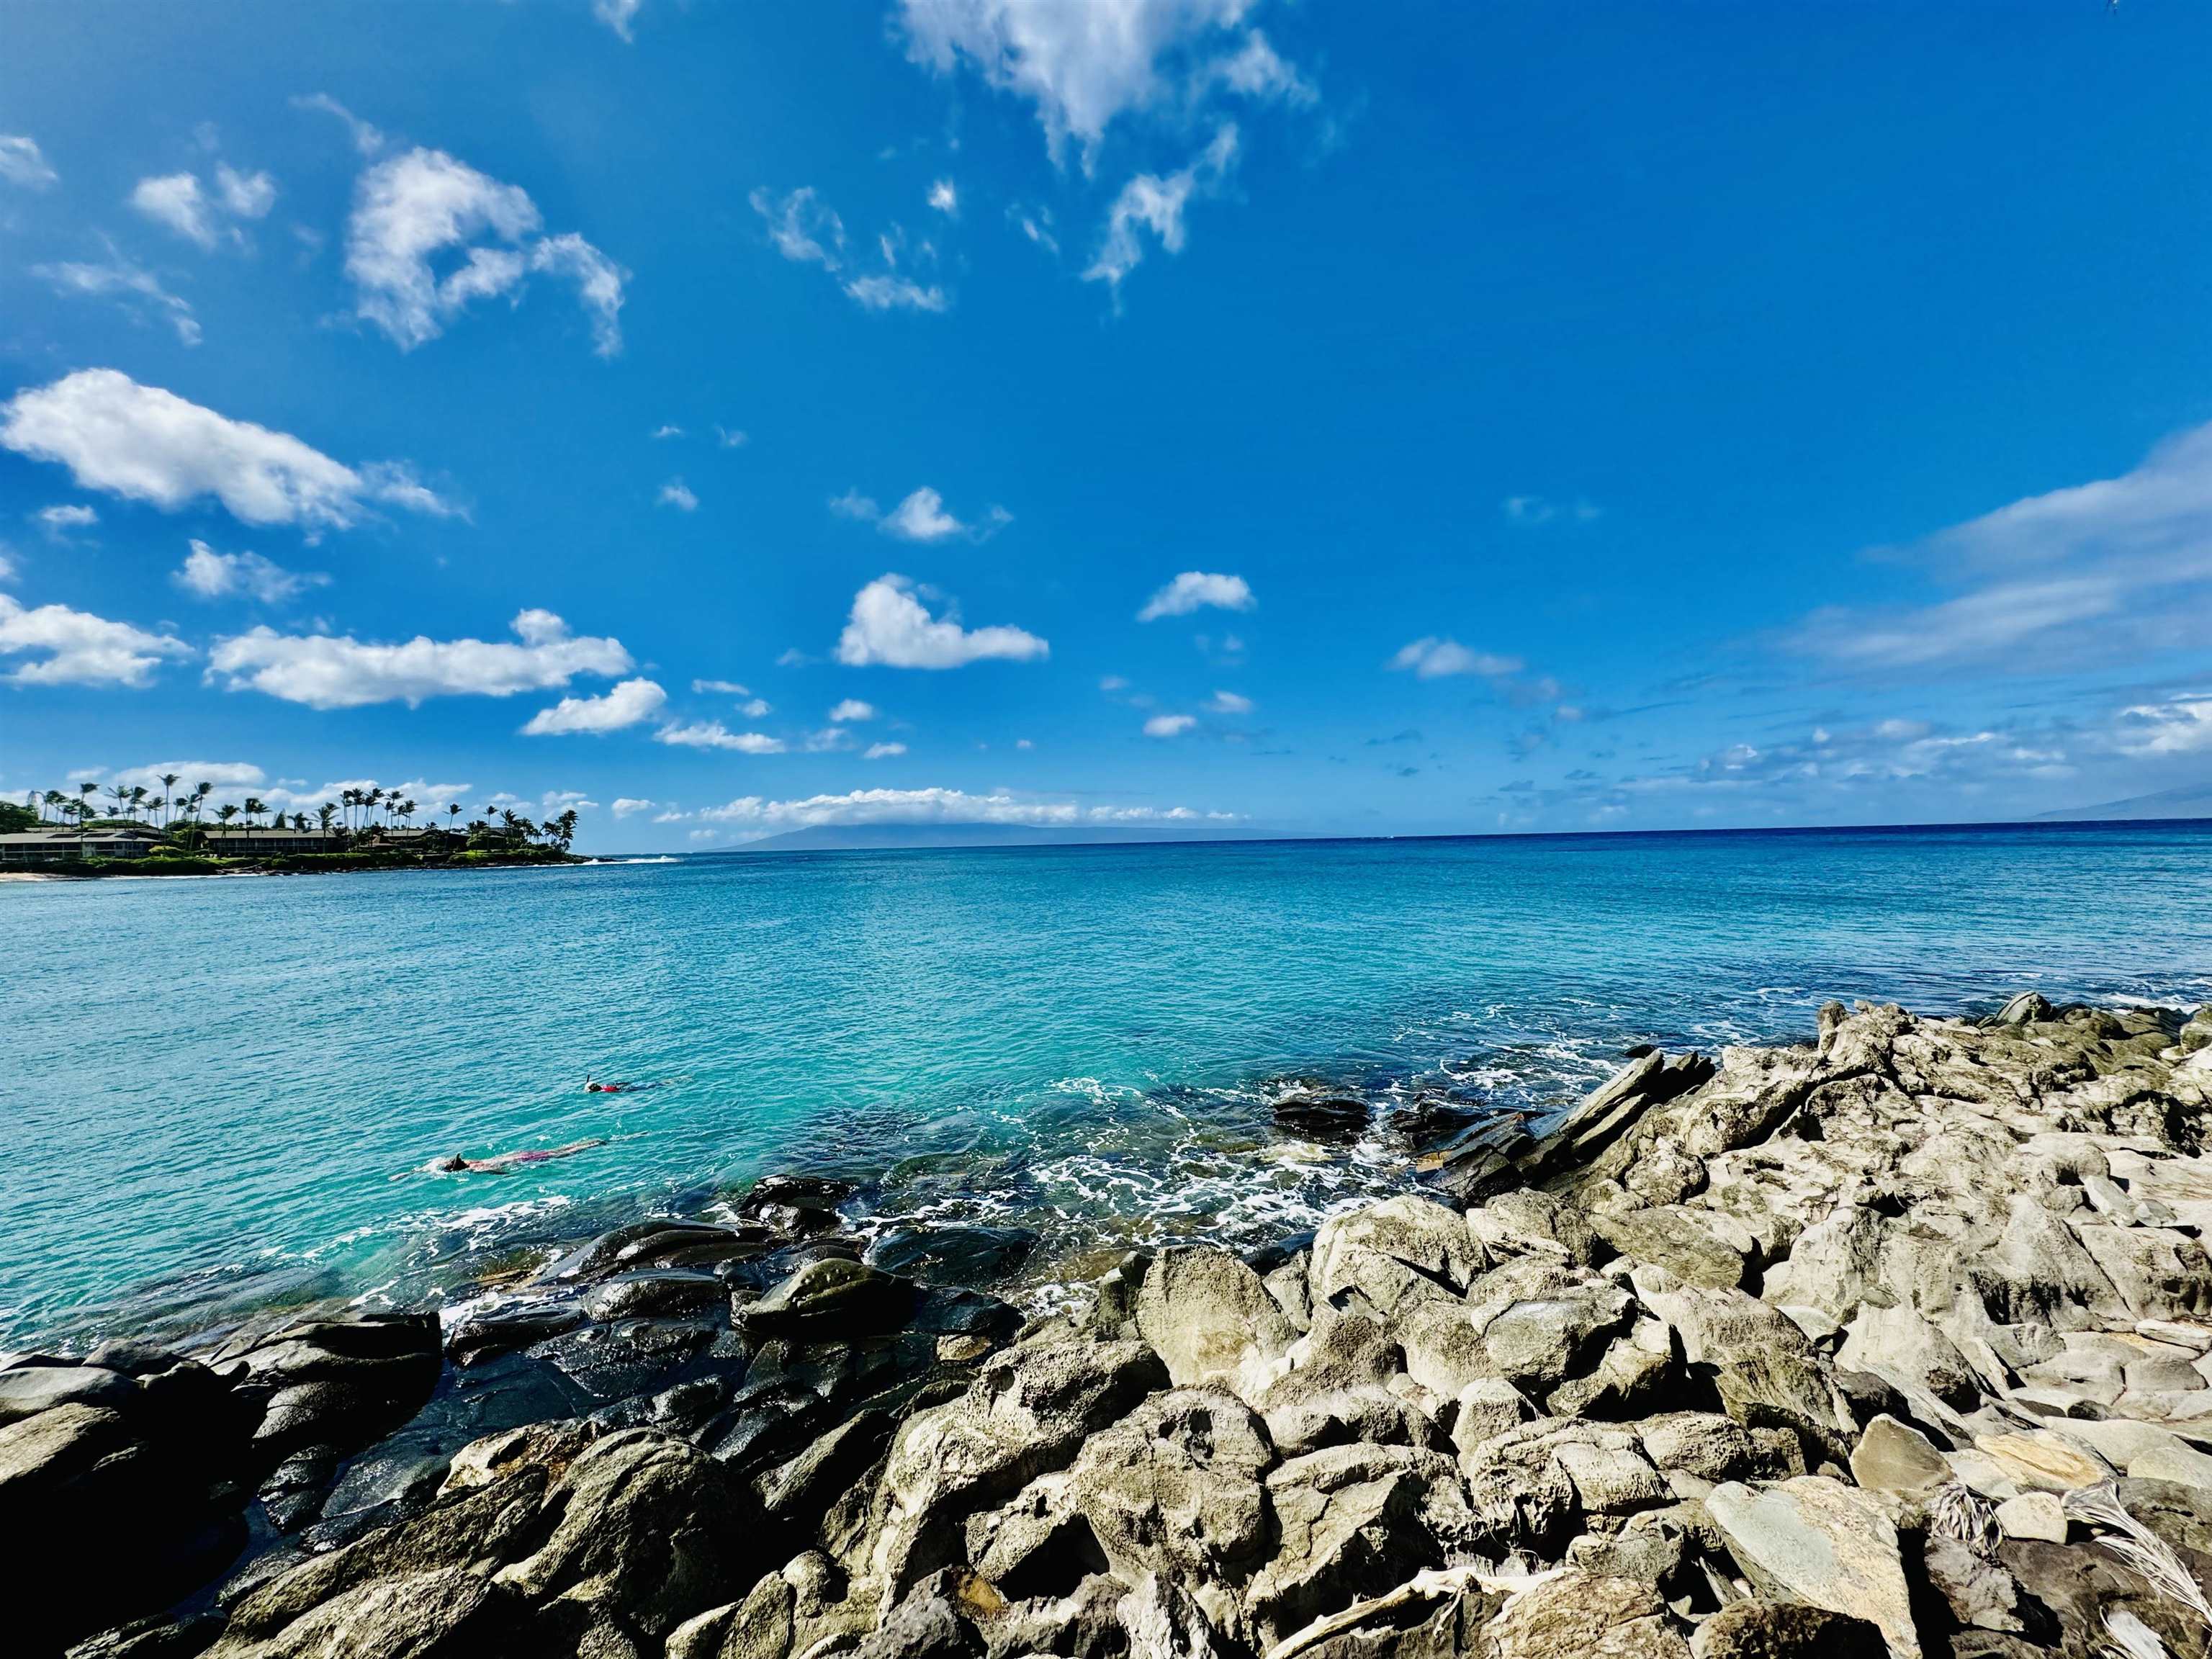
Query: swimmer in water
(503, 1162)
(592, 1088)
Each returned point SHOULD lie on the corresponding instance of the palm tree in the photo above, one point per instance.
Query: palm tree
(453, 810)
(55, 799)
(225, 813)
(324, 813)
(255, 807)
(169, 782)
(120, 796)
(375, 797)
(138, 801)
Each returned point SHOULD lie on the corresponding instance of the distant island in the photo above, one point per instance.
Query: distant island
(171, 831)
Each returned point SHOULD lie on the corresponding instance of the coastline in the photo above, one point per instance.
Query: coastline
(1902, 1302)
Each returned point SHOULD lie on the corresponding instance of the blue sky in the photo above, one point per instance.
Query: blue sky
(1194, 412)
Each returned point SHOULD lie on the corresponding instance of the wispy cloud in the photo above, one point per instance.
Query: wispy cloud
(2109, 571)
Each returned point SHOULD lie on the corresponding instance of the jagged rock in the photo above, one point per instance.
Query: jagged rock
(799, 1492)
(2039, 1515)
(1211, 1319)
(1337, 1417)
(426, 1615)
(1715, 1447)
(654, 1292)
(2041, 1461)
(147, 1482)
(1695, 1246)
(1353, 1521)
(1896, 1457)
(1027, 1412)
(1486, 1409)
(1898, 1344)
(1526, 1220)
(1756, 1629)
(1162, 1622)
(970, 1256)
(1322, 1117)
(1581, 1614)
(1174, 1487)
(834, 1299)
(1636, 1374)
(2029, 1008)
(1815, 1540)
(1977, 1592)
(1393, 1254)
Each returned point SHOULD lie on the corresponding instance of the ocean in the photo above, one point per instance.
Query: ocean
(228, 1090)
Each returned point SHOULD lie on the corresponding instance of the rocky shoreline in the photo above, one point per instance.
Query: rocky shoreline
(1896, 1341)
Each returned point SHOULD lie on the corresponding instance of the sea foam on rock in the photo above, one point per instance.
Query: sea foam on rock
(1852, 1348)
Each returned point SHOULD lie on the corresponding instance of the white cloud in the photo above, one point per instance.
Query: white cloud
(631, 702)
(668, 429)
(223, 775)
(80, 648)
(326, 671)
(803, 228)
(630, 806)
(883, 750)
(729, 437)
(149, 445)
(62, 518)
(920, 517)
(1194, 589)
(713, 734)
(21, 162)
(244, 195)
(807, 231)
(760, 816)
(892, 292)
(1431, 658)
(138, 291)
(617, 15)
(213, 576)
(2112, 570)
(425, 205)
(366, 138)
(720, 688)
(1227, 703)
(1534, 510)
(1113, 683)
(1085, 63)
(204, 217)
(944, 198)
(1169, 726)
(677, 494)
(1257, 71)
(8, 570)
(2180, 725)
(753, 708)
(851, 709)
(890, 626)
(1156, 204)
(176, 200)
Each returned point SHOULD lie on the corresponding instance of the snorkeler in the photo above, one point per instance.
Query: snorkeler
(502, 1162)
(592, 1088)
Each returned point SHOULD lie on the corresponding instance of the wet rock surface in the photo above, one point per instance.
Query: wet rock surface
(1892, 1342)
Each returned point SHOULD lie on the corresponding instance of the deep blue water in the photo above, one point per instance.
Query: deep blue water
(225, 1089)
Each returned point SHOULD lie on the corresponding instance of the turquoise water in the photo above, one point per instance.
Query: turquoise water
(228, 1089)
